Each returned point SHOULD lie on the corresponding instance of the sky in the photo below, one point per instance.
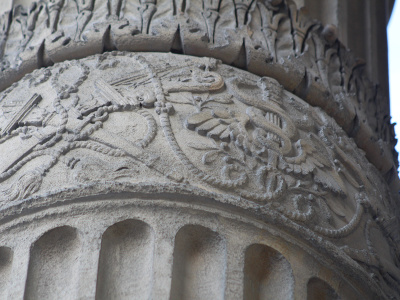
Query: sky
(393, 31)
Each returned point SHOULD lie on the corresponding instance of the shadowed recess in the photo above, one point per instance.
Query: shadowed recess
(6, 256)
(318, 289)
(126, 261)
(53, 265)
(267, 274)
(199, 264)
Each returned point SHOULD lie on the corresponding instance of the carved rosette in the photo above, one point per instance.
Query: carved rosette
(194, 124)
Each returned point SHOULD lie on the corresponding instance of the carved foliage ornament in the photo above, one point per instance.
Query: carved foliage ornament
(267, 37)
(193, 121)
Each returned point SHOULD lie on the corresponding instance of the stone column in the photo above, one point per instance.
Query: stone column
(172, 149)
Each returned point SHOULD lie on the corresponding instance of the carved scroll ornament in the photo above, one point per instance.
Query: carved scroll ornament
(166, 118)
(267, 37)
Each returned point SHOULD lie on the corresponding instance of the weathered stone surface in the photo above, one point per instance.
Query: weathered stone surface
(174, 233)
(268, 38)
(132, 175)
(172, 126)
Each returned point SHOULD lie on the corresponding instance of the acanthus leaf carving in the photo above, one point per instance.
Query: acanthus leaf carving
(301, 26)
(211, 16)
(147, 10)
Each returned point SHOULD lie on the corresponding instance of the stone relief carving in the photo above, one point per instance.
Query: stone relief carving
(267, 37)
(196, 122)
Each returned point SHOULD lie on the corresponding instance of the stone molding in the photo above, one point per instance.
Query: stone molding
(196, 124)
(267, 38)
(89, 213)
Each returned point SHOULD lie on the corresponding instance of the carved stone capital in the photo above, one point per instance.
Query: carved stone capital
(180, 124)
(267, 38)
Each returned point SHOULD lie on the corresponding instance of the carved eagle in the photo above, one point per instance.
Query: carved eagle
(265, 131)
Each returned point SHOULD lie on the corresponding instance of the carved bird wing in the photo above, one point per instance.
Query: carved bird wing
(218, 124)
(314, 159)
(307, 160)
(24, 186)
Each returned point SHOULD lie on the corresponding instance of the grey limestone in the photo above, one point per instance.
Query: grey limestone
(268, 38)
(132, 125)
(176, 149)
